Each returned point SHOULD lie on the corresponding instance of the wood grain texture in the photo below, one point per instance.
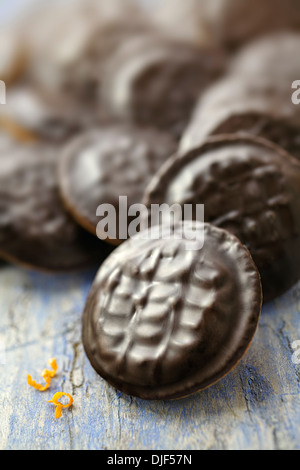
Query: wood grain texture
(256, 406)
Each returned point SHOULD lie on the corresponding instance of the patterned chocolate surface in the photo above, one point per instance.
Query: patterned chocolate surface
(250, 187)
(163, 320)
(106, 163)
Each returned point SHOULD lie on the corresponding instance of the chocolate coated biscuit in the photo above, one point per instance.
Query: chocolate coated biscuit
(103, 164)
(35, 229)
(249, 187)
(156, 81)
(259, 106)
(254, 97)
(163, 321)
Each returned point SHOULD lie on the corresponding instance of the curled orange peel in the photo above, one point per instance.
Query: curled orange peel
(50, 373)
(37, 386)
(47, 376)
(60, 406)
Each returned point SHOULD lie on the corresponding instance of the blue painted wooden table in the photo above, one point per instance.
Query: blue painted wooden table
(256, 406)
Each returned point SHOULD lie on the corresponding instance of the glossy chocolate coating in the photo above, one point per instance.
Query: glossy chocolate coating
(155, 81)
(163, 320)
(250, 187)
(35, 229)
(257, 106)
(106, 163)
(254, 97)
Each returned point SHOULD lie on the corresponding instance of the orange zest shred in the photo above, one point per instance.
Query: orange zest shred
(47, 376)
(37, 386)
(60, 406)
(50, 373)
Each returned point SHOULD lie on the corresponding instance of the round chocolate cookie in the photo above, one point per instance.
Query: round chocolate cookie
(155, 81)
(102, 165)
(164, 320)
(35, 229)
(259, 106)
(249, 187)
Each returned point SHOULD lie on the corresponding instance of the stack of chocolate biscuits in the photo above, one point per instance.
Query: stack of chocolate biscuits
(254, 96)
(96, 100)
(105, 103)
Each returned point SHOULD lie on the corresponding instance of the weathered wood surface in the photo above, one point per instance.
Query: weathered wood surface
(256, 406)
